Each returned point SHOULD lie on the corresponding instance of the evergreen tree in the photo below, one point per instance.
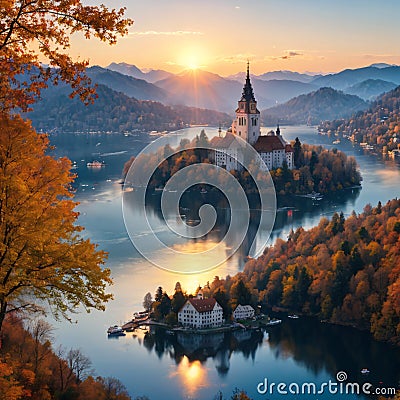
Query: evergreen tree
(159, 294)
(297, 153)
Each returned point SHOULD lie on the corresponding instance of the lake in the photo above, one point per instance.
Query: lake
(164, 367)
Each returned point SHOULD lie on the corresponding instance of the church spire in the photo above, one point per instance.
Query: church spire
(248, 94)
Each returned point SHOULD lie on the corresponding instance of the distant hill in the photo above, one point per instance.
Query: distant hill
(312, 108)
(350, 77)
(287, 75)
(240, 77)
(370, 89)
(379, 125)
(132, 87)
(382, 65)
(276, 75)
(278, 91)
(114, 111)
(151, 76)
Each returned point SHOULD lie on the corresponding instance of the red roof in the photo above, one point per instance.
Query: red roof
(203, 305)
(267, 144)
(288, 148)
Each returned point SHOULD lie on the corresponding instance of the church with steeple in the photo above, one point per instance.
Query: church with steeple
(247, 121)
(273, 148)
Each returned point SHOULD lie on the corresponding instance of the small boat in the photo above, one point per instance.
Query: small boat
(158, 189)
(293, 316)
(365, 371)
(274, 322)
(203, 191)
(336, 141)
(115, 331)
(95, 164)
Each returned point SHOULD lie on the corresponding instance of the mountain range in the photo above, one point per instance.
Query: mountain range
(287, 96)
(200, 88)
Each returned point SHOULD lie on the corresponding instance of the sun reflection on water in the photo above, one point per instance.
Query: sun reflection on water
(191, 375)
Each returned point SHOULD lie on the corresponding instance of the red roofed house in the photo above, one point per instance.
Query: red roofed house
(273, 148)
(201, 313)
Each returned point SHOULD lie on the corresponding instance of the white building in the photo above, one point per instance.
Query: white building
(243, 312)
(201, 313)
(273, 148)
(227, 153)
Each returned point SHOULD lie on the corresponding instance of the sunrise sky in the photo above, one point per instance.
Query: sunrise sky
(220, 35)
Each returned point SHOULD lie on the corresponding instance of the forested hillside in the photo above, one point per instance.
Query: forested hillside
(30, 368)
(345, 271)
(312, 108)
(114, 111)
(378, 126)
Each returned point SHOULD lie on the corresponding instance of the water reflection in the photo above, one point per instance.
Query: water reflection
(192, 376)
(317, 347)
(293, 211)
(199, 347)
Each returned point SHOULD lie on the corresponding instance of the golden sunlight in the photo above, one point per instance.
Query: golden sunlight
(191, 63)
(192, 59)
(193, 375)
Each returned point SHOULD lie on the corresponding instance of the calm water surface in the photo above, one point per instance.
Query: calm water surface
(181, 367)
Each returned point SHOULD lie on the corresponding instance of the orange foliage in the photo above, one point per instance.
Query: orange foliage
(45, 25)
(23, 375)
(347, 271)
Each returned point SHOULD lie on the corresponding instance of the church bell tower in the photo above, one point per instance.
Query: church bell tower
(247, 121)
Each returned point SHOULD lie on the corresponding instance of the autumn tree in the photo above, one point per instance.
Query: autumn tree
(44, 262)
(42, 334)
(33, 29)
(79, 364)
(147, 301)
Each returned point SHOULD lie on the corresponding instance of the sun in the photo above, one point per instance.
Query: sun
(193, 66)
(192, 60)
